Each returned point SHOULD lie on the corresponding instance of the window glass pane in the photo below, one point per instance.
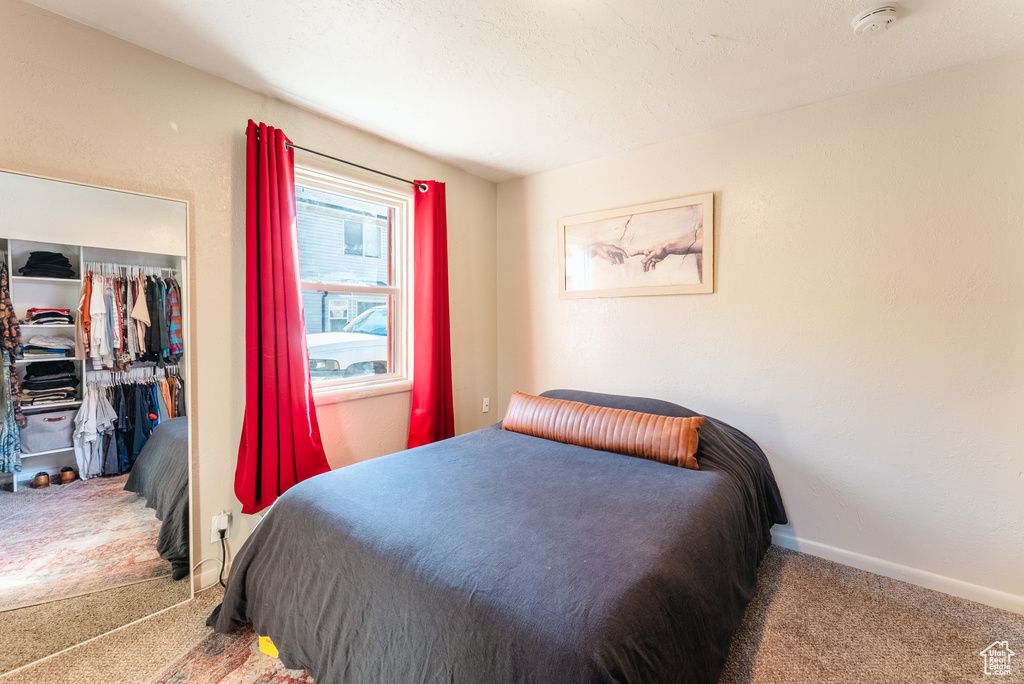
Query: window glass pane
(353, 238)
(347, 334)
(342, 240)
(371, 244)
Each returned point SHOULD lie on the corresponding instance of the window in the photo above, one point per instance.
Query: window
(353, 238)
(353, 265)
(337, 314)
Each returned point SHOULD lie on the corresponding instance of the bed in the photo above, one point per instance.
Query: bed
(499, 557)
(160, 475)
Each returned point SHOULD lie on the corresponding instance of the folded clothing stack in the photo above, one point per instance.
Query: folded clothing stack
(47, 265)
(46, 347)
(48, 317)
(49, 382)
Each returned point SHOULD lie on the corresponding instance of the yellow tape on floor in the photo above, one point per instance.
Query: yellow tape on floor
(267, 646)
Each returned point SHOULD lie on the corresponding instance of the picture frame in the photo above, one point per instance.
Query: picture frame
(657, 248)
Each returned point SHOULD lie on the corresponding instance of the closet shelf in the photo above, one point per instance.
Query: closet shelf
(47, 325)
(59, 404)
(34, 279)
(26, 454)
(53, 358)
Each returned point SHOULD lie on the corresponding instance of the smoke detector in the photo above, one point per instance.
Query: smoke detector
(874, 20)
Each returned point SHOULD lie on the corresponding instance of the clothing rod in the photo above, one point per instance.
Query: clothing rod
(422, 187)
(102, 264)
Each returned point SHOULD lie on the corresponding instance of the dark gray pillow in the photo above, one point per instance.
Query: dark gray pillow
(618, 401)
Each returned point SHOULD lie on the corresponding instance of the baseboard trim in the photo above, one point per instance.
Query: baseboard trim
(209, 576)
(922, 578)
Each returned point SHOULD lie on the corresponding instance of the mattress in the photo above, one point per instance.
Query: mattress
(499, 557)
(160, 475)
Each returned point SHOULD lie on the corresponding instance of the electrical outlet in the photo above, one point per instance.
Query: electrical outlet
(487, 405)
(221, 521)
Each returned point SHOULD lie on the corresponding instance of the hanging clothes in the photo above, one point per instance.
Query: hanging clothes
(10, 433)
(153, 314)
(100, 341)
(126, 317)
(125, 357)
(173, 392)
(161, 302)
(122, 429)
(140, 314)
(160, 389)
(131, 330)
(174, 318)
(118, 414)
(95, 418)
(83, 328)
(142, 400)
(10, 342)
(181, 396)
(113, 318)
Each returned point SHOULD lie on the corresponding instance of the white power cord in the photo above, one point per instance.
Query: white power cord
(203, 561)
(215, 584)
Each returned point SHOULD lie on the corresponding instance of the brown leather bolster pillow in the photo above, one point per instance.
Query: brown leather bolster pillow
(658, 438)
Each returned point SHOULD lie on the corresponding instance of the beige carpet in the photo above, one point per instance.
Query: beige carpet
(12, 503)
(811, 621)
(54, 626)
(817, 621)
(134, 654)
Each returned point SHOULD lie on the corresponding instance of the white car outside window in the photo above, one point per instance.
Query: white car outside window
(360, 349)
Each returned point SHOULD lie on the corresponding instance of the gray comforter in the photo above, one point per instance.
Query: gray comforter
(497, 557)
(160, 475)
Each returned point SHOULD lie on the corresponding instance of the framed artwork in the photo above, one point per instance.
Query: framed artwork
(658, 248)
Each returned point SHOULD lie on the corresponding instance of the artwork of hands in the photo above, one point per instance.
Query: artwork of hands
(609, 252)
(690, 243)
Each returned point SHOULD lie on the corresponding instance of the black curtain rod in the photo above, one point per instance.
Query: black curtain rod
(422, 187)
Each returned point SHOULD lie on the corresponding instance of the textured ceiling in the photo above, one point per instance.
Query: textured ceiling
(505, 88)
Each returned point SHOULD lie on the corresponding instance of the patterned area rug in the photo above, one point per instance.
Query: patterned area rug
(92, 535)
(230, 659)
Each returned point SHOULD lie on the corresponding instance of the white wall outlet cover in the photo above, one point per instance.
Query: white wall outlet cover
(221, 521)
(486, 405)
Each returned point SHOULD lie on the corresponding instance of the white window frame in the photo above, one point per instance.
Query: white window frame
(400, 244)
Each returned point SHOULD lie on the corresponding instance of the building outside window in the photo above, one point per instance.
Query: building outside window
(353, 261)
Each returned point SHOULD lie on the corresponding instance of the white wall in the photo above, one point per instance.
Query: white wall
(80, 105)
(867, 326)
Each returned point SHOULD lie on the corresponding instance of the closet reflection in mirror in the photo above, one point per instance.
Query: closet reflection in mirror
(94, 444)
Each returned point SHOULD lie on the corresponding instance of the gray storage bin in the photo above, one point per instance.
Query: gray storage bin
(48, 431)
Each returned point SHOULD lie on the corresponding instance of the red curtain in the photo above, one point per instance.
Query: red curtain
(280, 443)
(433, 415)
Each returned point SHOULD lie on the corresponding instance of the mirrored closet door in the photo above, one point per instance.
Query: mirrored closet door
(94, 414)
